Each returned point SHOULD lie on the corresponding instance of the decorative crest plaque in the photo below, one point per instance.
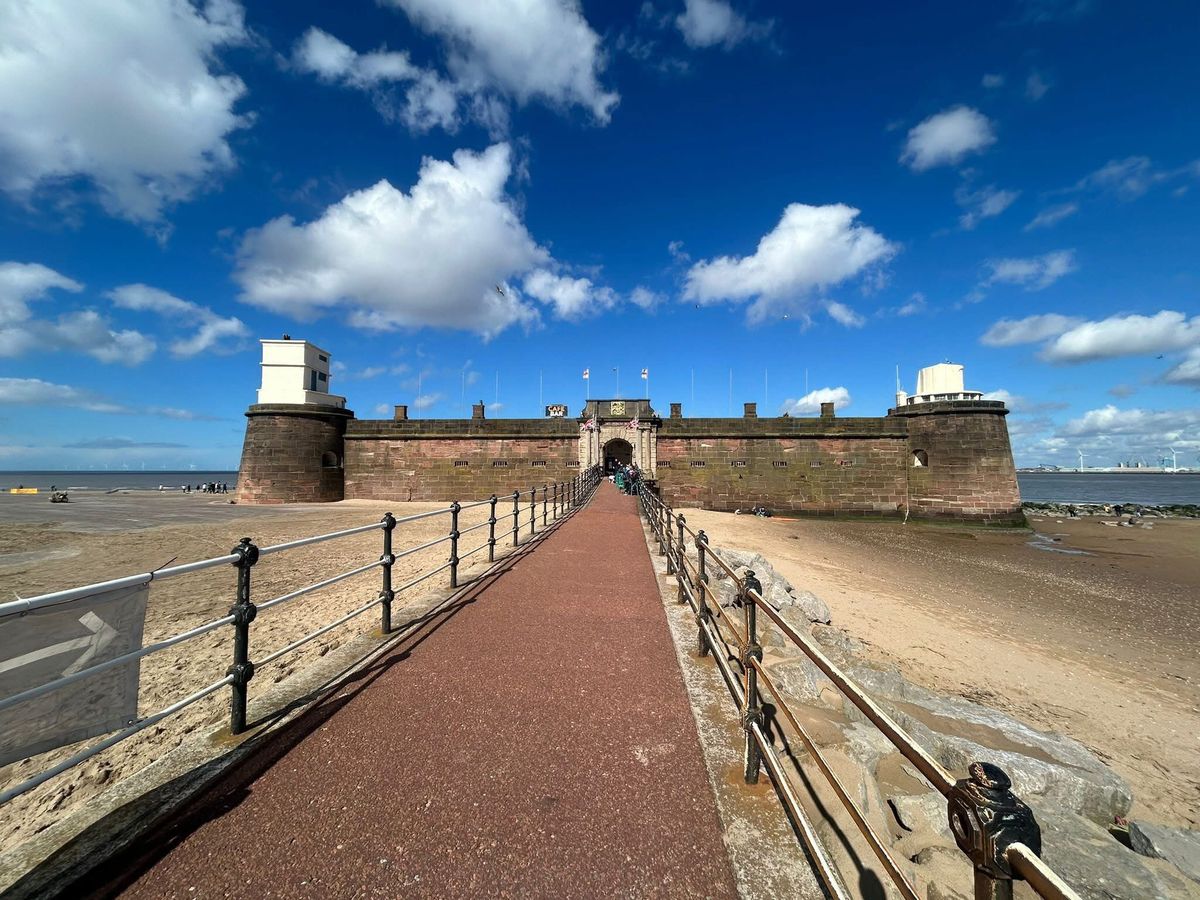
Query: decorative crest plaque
(616, 407)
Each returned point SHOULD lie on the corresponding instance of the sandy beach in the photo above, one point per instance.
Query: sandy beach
(1097, 642)
(97, 537)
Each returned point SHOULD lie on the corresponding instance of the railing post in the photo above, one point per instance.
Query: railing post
(454, 509)
(704, 614)
(533, 510)
(753, 714)
(985, 818)
(554, 506)
(670, 548)
(545, 503)
(386, 594)
(243, 612)
(516, 517)
(492, 530)
(656, 518)
(680, 569)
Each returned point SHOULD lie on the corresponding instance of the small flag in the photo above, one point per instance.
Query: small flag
(646, 374)
(587, 373)
(634, 424)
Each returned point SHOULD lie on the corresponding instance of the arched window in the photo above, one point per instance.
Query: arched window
(920, 459)
(329, 460)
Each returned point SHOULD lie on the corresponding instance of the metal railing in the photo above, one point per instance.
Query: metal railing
(991, 825)
(567, 496)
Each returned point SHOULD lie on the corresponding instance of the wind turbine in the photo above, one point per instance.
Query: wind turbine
(1080, 452)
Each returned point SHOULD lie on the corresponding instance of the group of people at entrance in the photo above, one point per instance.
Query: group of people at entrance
(627, 478)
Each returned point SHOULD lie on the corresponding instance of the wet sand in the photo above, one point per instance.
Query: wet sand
(1098, 644)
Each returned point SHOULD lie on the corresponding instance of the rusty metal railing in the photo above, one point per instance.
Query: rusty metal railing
(991, 825)
(568, 496)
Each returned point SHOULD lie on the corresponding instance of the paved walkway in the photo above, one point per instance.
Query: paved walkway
(538, 742)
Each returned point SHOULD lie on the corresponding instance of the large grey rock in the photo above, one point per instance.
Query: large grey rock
(805, 606)
(1179, 846)
(957, 732)
(1092, 861)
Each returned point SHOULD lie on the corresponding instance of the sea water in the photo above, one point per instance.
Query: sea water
(113, 480)
(1103, 487)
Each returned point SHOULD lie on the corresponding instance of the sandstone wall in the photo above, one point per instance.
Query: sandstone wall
(969, 473)
(807, 466)
(455, 459)
(292, 453)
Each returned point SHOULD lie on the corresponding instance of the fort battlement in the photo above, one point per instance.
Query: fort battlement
(941, 459)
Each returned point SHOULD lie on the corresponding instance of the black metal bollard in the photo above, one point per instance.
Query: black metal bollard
(704, 614)
(243, 612)
(492, 530)
(454, 509)
(386, 594)
(985, 818)
(753, 715)
(516, 517)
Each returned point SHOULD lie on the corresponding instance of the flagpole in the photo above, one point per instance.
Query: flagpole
(541, 401)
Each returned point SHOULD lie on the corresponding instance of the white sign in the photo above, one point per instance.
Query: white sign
(41, 645)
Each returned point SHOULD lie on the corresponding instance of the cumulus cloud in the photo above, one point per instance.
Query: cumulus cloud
(1169, 426)
(1032, 273)
(844, 315)
(123, 93)
(121, 443)
(214, 333)
(1133, 335)
(947, 138)
(991, 80)
(425, 401)
(527, 50)
(707, 23)
(811, 402)
(1132, 177)
(79, 331)
(916, 304)
(644, 298)
(985, 203)
(1019, 404)
(35, 392)
(1052, 215)
(1030, 330)
(443, 255)
(571, 298)
(812, 248)
(1187, 372)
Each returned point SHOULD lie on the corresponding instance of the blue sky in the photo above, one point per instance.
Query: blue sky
(805, 196)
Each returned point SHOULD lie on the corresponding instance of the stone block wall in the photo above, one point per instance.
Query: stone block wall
(968, 471)
(800, 466)
(292, 453)
(453, 459)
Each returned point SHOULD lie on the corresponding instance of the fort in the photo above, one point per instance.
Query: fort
(943, 453)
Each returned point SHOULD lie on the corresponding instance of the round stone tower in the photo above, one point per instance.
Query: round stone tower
(295, 434)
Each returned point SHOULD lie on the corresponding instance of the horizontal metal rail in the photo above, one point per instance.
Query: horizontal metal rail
(324, 629)
(300, 592)
(129, 731)
(121, 660)
(319, 538)
(1040, 876)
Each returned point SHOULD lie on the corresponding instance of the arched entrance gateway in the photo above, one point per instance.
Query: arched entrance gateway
(619, 432)
(617, 452)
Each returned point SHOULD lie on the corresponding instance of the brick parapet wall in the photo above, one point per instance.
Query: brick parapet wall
(411, 429)
(784, 427)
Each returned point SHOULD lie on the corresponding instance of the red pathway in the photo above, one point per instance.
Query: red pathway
(537, 742)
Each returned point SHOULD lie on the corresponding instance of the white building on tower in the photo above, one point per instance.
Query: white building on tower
(943, 381)
(296, 372)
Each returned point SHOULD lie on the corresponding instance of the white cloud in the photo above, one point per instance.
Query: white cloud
(843, 314)
(571, 298)
(812, 248)
(35, 392)
(946, 138)
(1033, 273)
(916, 304)
(382, 409)
(80, 331)
(811, 402)
(985, 203)
(1036, 86)
(1030, 330)
(1052, 215)
(214, 333)
(1186, 372)
(441, 255)
(425, 401)
(1020, 404)
(991, 80)
(124, 93)
(1133, 335)
(1167, 426)
(644, 298)
(706, 23)
(529, 50)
